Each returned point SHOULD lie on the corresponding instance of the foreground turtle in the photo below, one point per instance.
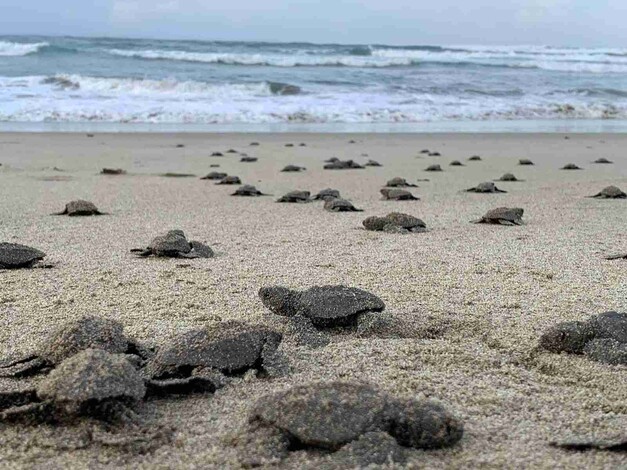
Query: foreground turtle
(225, 348)
(602, 160)
(230, 180)
(602, 338)
(16, 256)
(215, 175)
(327, 193)
(293, 168)
(395, 222)
(112, 171)
(525, 162)
(343, 165)
(339, 205)
(611, 192)
(434, 168)
(509, 177)
(92, 383)
(70, 338)
(456, 163)
(571, 166)
(399, 182)
(502, 216)
(397, 195)
(295, 196)
(247, 190)
(361, 424)
(318, 308)
(79, 208)
(174, 244)
(487, 187)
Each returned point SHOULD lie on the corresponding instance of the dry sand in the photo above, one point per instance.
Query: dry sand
(473, 299)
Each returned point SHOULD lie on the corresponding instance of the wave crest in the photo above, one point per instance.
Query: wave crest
(17, 49)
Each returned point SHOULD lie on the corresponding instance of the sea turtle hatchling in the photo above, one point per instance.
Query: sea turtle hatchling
(247, 190)
(16, 256)
(247, 159)
(230, 180)
(215, 175)
(509, 177)
(611, 192)
(487, 187)
(603, 160)
(399, 182)
(434, 168)
(571, 166)
(327, 193)
(70, 338)
(475, 158)
(339, 205)
(502, 216)
(456, 163)
(394, 194)
(79, 208)
(525, 162)
(174, 244)
(372, 163)
(295, 196)
(331, 416)
(395, 222)
(112, 171)
(343, 165)
(293, 168)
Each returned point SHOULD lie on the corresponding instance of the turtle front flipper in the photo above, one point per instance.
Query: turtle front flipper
(30, 413)
(15, 399)
(306, 334)
(273, 362)
(144, 252)
(24, 367)
(195, 384)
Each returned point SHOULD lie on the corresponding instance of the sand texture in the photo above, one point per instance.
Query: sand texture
(468, 301)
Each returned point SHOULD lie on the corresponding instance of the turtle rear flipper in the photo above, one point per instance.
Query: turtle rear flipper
(20, 398)
(24, 367)
(194, 384)
(30, 413)
(618, 446)
(306, 334)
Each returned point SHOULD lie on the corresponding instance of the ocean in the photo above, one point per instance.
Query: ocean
(61, 81)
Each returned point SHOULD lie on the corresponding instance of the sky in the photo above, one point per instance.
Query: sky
(592, 23)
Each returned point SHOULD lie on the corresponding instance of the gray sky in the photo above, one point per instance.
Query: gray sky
(553, 22)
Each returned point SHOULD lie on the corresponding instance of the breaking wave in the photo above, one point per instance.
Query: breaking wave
(17, 49)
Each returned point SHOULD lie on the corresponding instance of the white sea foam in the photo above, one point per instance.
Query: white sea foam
(16, 49)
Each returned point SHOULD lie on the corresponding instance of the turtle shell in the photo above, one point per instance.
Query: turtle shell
(337, 305)
(14, 255)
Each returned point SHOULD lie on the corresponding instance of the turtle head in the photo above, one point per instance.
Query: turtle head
(280, 300)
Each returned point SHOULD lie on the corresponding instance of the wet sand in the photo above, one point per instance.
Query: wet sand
(471, 300)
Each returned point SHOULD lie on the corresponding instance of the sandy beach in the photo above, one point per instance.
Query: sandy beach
(470, 300)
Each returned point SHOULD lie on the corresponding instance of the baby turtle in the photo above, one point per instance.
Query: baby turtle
(425, 151)
(332, 160)
(16, 256)
(112, 171)
(177, 175)
(502, 216)
(295, 196)
(230, 180)
(68, 339)
(248, 159)
(487, 187)
(343, 165)
(394, 194)
(289, 145)
(435, 154)
(475, 158)
(302, 144)
(570, 166)
(395, 222)
(174, 244)
(339, 205)
(79, 208)
(508, 177)
(293, 168)
(327, 193)
(228, 348)
(217, 154)
(214, 175)
(331, 416)
(434, 168)
(603, 160)
(232, 151)
(610, 192)
(372, 163)
(602, 338)
(254, 144)
(399, 182)
(456, 163)
(525, 162)
(247, 190)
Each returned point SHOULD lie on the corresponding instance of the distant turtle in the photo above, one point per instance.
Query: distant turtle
(434, 168)
(232, 151)
(327, 193)
(372, 163)
(343, 165)
(112, 171)
(254, 144)
(571, 166)
(214, 165)
(16, 256)
(171, 174)
(456, 163)
(399, 182)
(487, 187)
(475, 158)
(603, 160)
(352, 141)
(179, 146)
(293, 168)
(332, 160)
(394, 194)
(425, 151)
(70, 338)
(247, 159)
(395, 222)
(289, 145)
(79, 208)
(611, 192)
(509, 177)
(339, 205)
(295, 196)
(302, 144)
(338, 416)
(502, 216)
(217, 154)
(230, 180)
(215, 175)
(224, 348)
(435, 154)
(174, 244)
(525, 162)
(247, 190)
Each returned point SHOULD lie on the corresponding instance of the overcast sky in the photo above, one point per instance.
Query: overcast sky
(552, 22)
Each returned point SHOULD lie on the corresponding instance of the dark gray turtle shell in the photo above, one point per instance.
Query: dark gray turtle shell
(611, 325)
(112, 171)
(487, 187)
(247, 159)
(326, 193)
(295, 196)
(339, 205)
(602, 160)
(292, 168)
(525, 162)
(174, 244)
(571, 166)
(611, 192)
(503, 216)
(79, 208)
(434, 168)
(343, 165)
(247, 190)
(393, 194)
(15, 256)
(399, 182)
(508, 177)
(230, 180)
(372, 163)
(214, 175)
(405, 222)
(456, 163)
(475, 158)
